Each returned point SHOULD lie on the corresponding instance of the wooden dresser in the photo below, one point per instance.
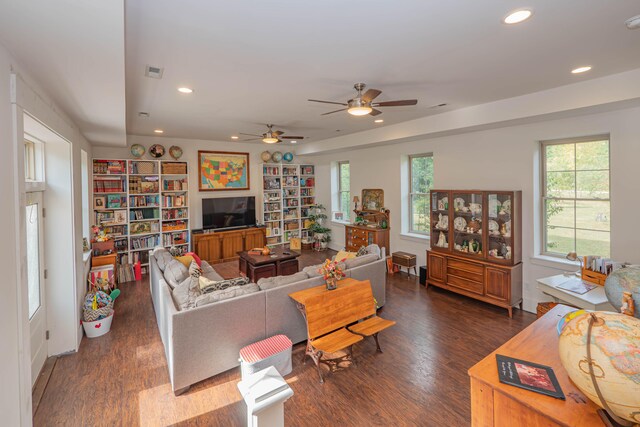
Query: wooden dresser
(223, 246)
(356, 236)
(497, 404)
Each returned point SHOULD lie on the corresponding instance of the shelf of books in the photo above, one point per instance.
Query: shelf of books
(142, 204)
(287, 193)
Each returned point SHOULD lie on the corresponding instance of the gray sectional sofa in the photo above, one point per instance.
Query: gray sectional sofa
(204, 341)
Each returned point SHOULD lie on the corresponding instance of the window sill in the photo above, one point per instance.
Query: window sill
(86, 256)
(413, 237)
(554, 262)
(338, 222)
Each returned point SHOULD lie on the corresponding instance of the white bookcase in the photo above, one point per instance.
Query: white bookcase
(288, 191)
(142, 204)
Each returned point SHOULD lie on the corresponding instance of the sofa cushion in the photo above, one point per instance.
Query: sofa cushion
(194, 269)
(361, 251)
(185, 259)
(277, 281)
(224, 294)
(185, 293)
(207, 285)
(361, 260)
(374, 249)
(175, 273)
(162, 257)
(311, 270)
(343, 255)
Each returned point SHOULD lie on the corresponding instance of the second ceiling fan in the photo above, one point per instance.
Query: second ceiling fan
(362, 104)
(271, 136)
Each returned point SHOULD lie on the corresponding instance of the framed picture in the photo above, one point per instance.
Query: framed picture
(222, 171)
(120, 217)
(372, 199)
(99, 202)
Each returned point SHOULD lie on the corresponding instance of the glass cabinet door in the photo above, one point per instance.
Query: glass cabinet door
(500, 211)
(440, 219)
(467, 223)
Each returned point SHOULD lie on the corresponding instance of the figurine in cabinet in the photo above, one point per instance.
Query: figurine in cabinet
(442, 241)
(508, 253)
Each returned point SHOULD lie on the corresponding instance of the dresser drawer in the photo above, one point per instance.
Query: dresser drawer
(465, 274)
(466, 266)
(466, 284)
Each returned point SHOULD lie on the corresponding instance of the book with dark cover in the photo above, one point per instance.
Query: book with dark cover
(528, 375)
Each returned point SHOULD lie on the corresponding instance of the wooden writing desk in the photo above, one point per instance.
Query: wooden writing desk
(497, 404)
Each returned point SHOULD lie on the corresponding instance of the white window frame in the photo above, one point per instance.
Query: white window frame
(412, 230)
(543, 190)
(341, 190)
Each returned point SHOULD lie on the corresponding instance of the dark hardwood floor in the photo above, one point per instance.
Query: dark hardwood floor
(121, 379)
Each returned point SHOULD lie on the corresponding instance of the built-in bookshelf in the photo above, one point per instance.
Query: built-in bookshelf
(142, 204)
(288, 191)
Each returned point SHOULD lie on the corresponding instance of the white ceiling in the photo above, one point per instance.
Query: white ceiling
(74, 50)
(254, 61)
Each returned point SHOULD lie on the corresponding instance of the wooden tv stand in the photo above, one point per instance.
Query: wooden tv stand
(223, 246)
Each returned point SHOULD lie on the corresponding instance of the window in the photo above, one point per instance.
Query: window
(29, 160)
(420, 181)
(575, 196)
(344, 192)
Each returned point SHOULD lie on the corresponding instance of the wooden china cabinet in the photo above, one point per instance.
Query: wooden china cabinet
(476, 245)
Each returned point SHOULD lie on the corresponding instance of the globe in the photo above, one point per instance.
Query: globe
(287, 157)
(265, 156)
(615, 351)
(624, 280)
(276, 156)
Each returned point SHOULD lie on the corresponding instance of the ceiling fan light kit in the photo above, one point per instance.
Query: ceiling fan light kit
(271, 136)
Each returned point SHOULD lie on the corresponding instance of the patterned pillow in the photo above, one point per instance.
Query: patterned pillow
(361, 251)
(207, 286)
(194, 270)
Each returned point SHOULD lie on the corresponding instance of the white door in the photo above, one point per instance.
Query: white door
(35, 280)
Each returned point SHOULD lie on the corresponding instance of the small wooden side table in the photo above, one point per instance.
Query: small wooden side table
(404, 259)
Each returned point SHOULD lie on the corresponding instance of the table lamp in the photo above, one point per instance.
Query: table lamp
(356, 200)
(572, 256)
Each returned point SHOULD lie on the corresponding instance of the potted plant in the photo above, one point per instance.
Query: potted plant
(321, 234)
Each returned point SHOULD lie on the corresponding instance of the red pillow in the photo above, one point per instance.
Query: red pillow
(196, 258)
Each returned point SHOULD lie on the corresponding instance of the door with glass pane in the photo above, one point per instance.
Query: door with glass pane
(35, 282)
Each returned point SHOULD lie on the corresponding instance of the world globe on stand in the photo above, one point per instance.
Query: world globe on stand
(265, 156)
(287, 157)
(276, 157)
(615, 353)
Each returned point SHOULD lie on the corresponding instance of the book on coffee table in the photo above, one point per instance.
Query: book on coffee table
(528, 375)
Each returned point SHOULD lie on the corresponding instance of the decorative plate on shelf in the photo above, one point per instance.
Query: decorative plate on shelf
(157, 151)
(494, 228)
(137, 150)
(458, 203)
(175, 152)
(506, 206)
(459, 223)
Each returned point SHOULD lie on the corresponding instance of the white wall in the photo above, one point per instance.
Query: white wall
(190, 149)
(500, 159)
(15, 394)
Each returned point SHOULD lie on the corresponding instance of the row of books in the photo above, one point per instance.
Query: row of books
(178, 238)
(174, 200)
(144, 201)
(148, 213)
(306, 170)
(289, 170)
(115, 230)
(144, 242)
(271, 170)
(291, 181)
(601, 265)
(308, 200)
(271, 183)
(272, 216)
(291, 203)
(114, 167)
(306, 192)
(174, 225)
(174, 184)
(180, 213)
(143, 184)
(142, 256)
(273, 206)
(107, 184)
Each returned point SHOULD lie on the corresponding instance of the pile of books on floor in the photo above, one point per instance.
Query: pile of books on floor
(126, 272)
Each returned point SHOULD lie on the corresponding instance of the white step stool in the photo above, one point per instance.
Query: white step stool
(265, 392)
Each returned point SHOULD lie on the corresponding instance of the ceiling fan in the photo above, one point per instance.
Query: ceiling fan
(362, 104)
(271, 136)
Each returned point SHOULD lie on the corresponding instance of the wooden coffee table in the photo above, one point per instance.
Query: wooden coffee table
(256, 267)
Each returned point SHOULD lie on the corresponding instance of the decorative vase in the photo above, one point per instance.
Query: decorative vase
(331, 283)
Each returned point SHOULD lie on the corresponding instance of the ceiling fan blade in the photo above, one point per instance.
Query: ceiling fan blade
(370, 95)
(252, 139)
(327, 102)
(250, 134)
(331, 112)
(375, 112)
(396, 103)
(278, 133)
(292, 137)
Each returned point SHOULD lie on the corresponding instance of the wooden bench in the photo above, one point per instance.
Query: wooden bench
(338, 319)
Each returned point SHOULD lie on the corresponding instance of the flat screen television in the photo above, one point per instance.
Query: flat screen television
(228, 212)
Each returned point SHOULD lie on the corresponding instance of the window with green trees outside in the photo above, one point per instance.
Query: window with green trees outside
(344, 188)
(575, 196)
(420, 181)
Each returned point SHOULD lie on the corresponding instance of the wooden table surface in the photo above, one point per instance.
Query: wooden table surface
(303, 295)
(538, 343)
(266, 259)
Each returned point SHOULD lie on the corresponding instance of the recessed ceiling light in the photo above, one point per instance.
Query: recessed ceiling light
(378, 121)
(185, 90)
(581, 69)
(158, 131)
(293, 142)
(517, 16)
(234, 137)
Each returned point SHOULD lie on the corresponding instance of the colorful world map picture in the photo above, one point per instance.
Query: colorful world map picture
(220, 170)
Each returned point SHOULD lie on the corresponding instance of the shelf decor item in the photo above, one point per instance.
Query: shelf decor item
(287, 157)
(156, 151)
(331, 272)
(223, 171)
(175, 152)
(265, 156)
(276, 157)
(137, 150)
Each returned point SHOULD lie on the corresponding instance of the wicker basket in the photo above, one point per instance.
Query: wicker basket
(544, 308)
(174, 168)
(146, 167)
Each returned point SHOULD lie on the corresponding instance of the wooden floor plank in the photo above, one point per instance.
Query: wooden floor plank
(420, 379)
